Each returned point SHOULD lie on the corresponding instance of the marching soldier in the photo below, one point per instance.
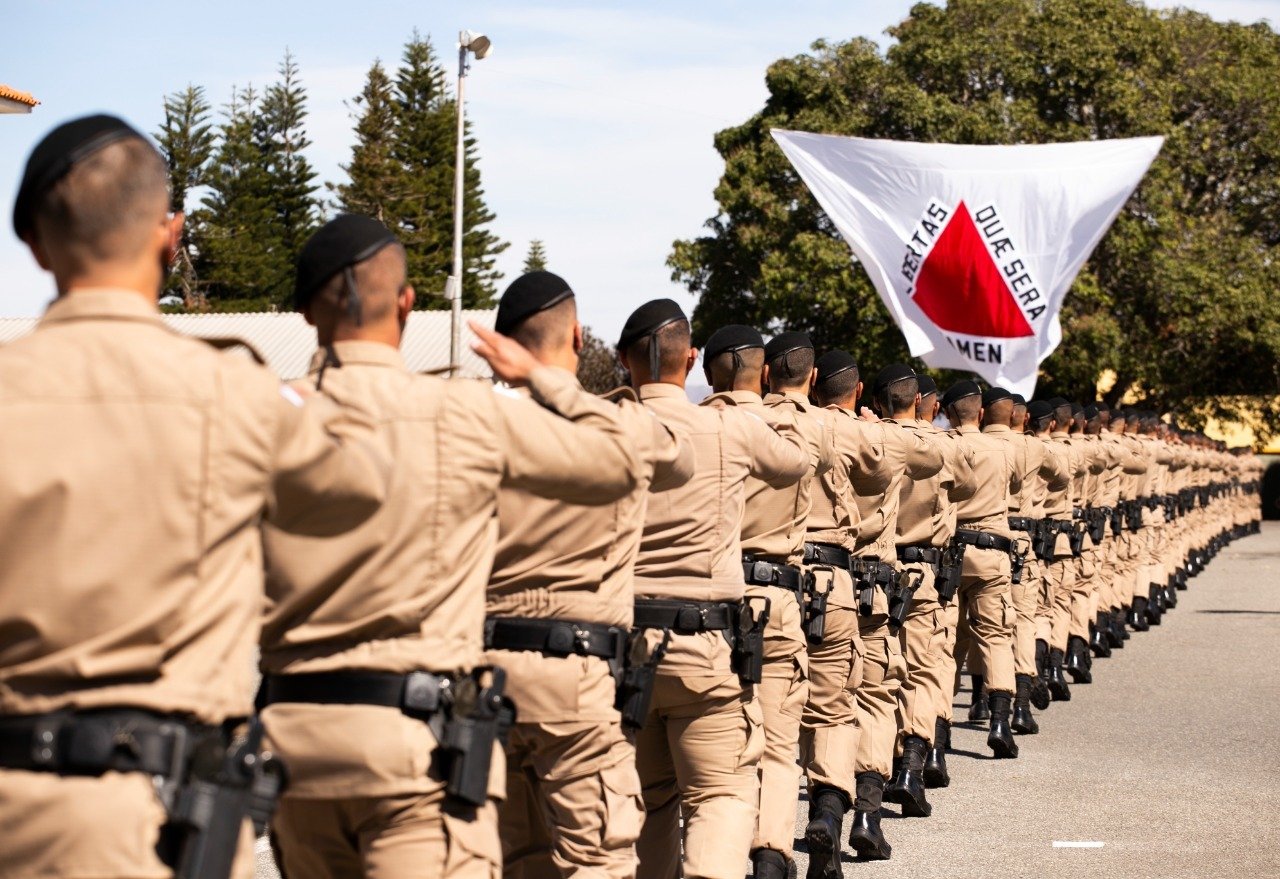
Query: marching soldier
(374, 692)
(127, 662)
(559, 608)
(701, 741)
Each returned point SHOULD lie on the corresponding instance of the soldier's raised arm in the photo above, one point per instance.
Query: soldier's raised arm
(779, 455)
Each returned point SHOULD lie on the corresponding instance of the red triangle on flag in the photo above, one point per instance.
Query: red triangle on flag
(959, 286)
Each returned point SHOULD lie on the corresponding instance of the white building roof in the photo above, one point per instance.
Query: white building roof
(286, 341)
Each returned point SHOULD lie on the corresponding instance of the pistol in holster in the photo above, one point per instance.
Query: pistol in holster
(1018, 558)
(864, 573)
(1117, 519)
(748, 639)
(815, 608)
(950, 570)
(1043, 540)
(1097, 525)
(904, 591)
(635, 675)
(1133, 512)
(209, 799)
(1076, 538)
(478, 716)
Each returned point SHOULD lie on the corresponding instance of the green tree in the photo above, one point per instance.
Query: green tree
(402, 169)
(1174, 301)
(536, 259)
(187, 140)
(598, 368)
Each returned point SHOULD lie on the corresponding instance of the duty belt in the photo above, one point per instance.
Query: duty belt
(827, 554)
(928, 554)
(686, 617)
(1022, 523)
(757, 572)
(1064, 526)
(555, 637)
(94, 742)
(417, 693)
(984, 540)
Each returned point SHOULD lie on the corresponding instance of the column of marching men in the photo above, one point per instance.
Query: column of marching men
(521, 629)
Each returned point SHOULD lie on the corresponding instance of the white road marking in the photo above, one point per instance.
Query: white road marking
(1063, 843)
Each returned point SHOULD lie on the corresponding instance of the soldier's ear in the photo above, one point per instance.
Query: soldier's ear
(404, 303)
(690, 359)
(813, 380)
(577, 337)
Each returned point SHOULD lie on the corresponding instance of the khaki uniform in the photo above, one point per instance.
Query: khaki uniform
(1045, 473)
(985, 606)
(573, 802)
(773, 530)
(1053, 615)
(138, 465)
(1112, 553)
(404, 593)
(699, 750)
(1134, 473)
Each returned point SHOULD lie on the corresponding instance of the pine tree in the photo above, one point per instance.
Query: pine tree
(536, 259)
(187, 141)
(402, 170)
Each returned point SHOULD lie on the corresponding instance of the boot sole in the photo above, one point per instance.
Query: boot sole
(911, 807)
(1025, 729)
(1059, 694)
(866, 850)
(1041, 697)
(1000, 751)
(824, 855)
(1080, 675)
(934, 780)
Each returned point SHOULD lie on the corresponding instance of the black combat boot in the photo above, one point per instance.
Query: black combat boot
(1057, 680)
(1138, 615)
(1100, 637)
(935, 763)
(1180, 579)
(907, 787)
(1078, 660)
(768, 864)
(978, 709)
(1170, 592)
(1155, 604)
(1122, 616)
(865, 837)
(823, 834)
(1040, 695)
(1023, 721)
(1115, 630)
(1000, 740)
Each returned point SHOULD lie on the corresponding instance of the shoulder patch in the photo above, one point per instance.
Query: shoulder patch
(291, 395)
(506, 391)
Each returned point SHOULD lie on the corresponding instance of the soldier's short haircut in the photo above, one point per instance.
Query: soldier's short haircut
(838, 388)
(967, 408)
(792, 368)
(548, 329)
(999, 412)
(106, 207)
(723, 369)
(379, 280)
(899, 396)
(1063, 416)
(673, 340)
(1039, 424)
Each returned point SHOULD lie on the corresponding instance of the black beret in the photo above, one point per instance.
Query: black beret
(1018, 400)
(833, 363)
(995, 395)
(1090, 412)
(959, 391)
(344, 241)
(734, 337)
(784, 343)
(1055, 402)
(1076, 409)
(1102, 406)
(891, 374)
(927, 385)
(526, 296)
(648, 319)
(59, 151)
(1119, 414)
(1038, 409)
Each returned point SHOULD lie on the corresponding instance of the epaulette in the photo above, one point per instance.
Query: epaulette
(435, 370)
(722, 396)
(618, 394)
(230, 343)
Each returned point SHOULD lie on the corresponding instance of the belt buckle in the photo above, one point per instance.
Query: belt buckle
(423, 692)
(691, 618)
(763, 572)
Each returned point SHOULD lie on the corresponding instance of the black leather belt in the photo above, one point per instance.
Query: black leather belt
(1062, 525)
(555, 637)
(686, 617)
(762, 573)
(1022, 523)
(94, 742)
(415, 693)
(928, 554)
(984, 540)
(827, 554)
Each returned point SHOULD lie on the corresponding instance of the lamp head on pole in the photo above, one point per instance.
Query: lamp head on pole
(478, 44)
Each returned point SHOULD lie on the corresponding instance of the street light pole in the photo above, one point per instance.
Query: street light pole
(479, 45)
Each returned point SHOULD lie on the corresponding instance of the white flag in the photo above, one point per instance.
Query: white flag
(972, 248)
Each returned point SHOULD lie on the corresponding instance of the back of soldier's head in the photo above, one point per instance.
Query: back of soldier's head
(838, 378)
(539, 310)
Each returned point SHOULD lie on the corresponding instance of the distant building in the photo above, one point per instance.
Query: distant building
(286, 342)
(14, 101)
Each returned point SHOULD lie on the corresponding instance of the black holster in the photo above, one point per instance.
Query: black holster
(748, 639)
(479, 716)
(815, 608)
(1045, 537)
(864, 573)
(904, 591)
(635, 678)
(208, 804)
(1076, 538)
(950, 570)
(1117, 519)
(1097, 525)
(1017, 560)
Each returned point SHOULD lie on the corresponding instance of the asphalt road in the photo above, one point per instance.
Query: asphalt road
(1170, 759)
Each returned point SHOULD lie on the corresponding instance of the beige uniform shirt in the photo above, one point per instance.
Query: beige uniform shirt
(908, 455)
(993, 464)
(860, 459)
(137, 467)
(926, 506)
(557, 560)
(691, 546)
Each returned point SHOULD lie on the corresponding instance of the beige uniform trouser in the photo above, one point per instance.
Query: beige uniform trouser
(986, 612)
(1025, 596)
(573, 806)
(1083, 594)
(1053, 611)
(882, 675)
(783, 691)
(698, 755)
(87, 828)
(950, 619)
(921, 640)
(829, 730)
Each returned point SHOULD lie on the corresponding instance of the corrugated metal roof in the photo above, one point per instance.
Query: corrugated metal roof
(14, 95)
(286, 341)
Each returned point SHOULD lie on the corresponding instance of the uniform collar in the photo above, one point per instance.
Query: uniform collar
(362, 352)
(739, 396)
(996, 428)
(967, 428)
(661, 389)
(101, 303)
(801, 400)
(1060, 434)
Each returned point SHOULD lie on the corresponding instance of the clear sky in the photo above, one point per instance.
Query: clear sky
(594, 120)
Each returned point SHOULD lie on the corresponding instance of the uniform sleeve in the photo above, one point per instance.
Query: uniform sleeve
(779, 456)
(924, 459)
(671, 454)
(330, 469)
(862, 444)
(574, 447)
(960, 460)
(1054, 470)
(1132, 461)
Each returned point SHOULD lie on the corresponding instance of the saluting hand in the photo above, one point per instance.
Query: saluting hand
(865, 414)
(509, 360)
